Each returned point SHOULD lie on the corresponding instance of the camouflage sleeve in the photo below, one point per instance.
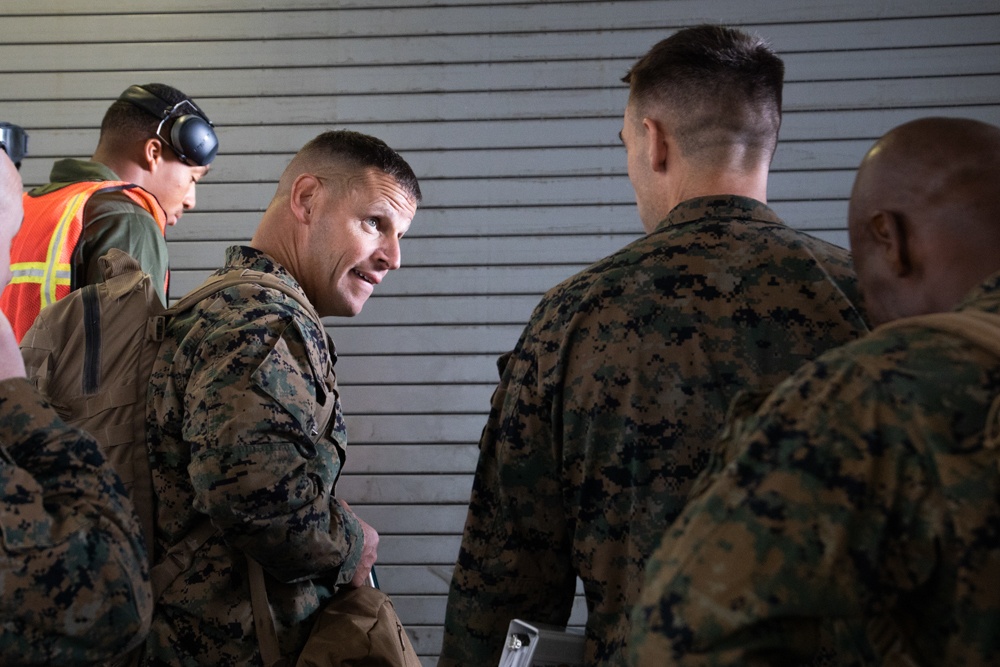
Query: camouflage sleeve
(514, 560)
(764, 567)
(74, 583)
(254, 467)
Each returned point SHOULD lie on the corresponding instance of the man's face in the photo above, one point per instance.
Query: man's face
(173, 185)
(11, 213)
(353, 240)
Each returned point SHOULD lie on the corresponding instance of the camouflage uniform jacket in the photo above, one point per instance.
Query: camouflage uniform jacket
(231, 415)
(607, 409)
(865, 492)
(74, 582)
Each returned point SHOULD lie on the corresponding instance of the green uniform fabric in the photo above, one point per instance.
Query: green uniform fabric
(862, 504)
(607, 409)
(112, 220)
(74, 583)
(231, 422)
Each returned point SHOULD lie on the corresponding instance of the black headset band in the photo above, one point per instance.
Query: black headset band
(156, 106)
(191, 136)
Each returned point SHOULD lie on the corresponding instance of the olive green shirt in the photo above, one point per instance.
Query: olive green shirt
(111, 220)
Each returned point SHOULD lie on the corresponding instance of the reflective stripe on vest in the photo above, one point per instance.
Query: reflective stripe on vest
(42, 252)
(51, 272)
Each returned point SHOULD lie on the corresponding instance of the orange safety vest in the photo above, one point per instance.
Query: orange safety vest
(43, 254)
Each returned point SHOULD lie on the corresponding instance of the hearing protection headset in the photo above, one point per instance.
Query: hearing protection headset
(191, 135)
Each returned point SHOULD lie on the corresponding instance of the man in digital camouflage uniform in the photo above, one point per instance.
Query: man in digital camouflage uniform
(74, 583)
(233, 402)
(865, 490)
(607, 408)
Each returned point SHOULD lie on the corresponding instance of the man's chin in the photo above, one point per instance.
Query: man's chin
(343, 310)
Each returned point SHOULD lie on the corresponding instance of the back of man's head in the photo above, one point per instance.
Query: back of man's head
(128, 124)
(717, 87)
(922, 215)
(352, 151)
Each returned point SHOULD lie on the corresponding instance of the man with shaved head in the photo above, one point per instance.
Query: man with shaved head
(862, 510)
(245, 427)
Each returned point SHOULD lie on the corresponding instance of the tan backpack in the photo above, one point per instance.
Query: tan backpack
(91, 354)
(357, 627)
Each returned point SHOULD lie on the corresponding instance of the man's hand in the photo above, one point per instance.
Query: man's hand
(370, 552)
(12, 365)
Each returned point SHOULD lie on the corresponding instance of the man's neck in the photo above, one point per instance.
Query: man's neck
(693, 185)
(124, 168)
(742, 184)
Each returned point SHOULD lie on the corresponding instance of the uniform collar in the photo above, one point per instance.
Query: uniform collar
(719, 208)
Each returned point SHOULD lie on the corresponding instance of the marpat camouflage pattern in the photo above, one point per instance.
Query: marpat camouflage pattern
(862, 507)
(232, 402)
(608, 408)
(74, 581)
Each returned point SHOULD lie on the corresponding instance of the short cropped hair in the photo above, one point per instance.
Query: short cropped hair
(719, 87)
(361, 151)
(127, 123)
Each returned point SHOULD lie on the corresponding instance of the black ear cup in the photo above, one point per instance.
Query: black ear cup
(192, 135)
(194, 140)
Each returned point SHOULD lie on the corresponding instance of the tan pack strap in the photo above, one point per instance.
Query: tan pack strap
(238, 277)
(263, 621)
(179, 558)
(975, 326)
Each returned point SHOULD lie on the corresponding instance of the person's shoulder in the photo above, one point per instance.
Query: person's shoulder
(115, 203)
(253, 306)
(609, 271)
(817, 247)
(250, 302)
(240, 324)
(23, 409)
(916, 344)
(883, 358)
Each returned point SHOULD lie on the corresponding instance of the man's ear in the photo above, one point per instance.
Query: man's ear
(657, 146)
(152, 154)
(302, 197)
(892, 238)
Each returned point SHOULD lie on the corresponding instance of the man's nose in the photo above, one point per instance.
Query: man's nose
(391, 254)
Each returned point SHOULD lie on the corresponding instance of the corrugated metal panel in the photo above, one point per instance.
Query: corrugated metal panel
(509, 113)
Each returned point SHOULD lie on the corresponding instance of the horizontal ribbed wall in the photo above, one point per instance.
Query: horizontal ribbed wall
(509, 113)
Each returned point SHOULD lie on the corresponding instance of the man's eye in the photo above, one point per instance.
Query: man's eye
(372, 222)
